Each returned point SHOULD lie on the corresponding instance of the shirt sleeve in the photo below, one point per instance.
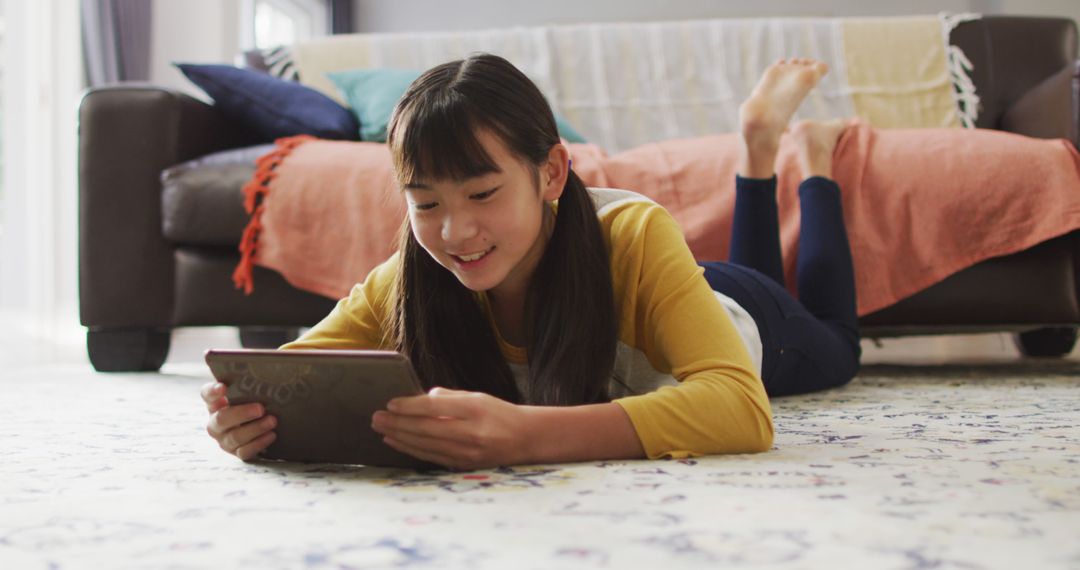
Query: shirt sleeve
(720, 404)
(356, 322)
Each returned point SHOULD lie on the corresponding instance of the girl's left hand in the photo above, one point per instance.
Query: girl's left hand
(456, 429)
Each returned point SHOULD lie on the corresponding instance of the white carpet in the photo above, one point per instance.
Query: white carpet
(920, 467)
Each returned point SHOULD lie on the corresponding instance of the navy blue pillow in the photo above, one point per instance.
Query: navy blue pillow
(272, 107)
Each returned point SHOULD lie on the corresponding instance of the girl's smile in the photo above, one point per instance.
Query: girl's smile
(473, 260)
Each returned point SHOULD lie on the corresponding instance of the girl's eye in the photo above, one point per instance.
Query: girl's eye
(423, 207)
(484, 195)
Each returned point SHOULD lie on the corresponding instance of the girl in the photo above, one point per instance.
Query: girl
(554, 323)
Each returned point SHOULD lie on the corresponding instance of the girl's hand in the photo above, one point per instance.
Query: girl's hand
(456, 429)
(244, 431)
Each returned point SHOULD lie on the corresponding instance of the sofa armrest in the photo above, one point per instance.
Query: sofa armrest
(1050, 110)
(1010, 55)
(127, 134)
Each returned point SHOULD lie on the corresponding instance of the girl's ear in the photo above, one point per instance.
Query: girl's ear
(554, 172)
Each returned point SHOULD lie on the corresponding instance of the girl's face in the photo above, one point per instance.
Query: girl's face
(490, 230)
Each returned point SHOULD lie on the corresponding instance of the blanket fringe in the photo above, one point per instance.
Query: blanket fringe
(960, 67)
(255, 192)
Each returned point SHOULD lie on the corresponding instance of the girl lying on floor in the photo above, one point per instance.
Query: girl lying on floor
(553, 322)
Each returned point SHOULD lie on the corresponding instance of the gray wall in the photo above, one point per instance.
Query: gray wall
(192, 31)
(209, 30)
(416, 15)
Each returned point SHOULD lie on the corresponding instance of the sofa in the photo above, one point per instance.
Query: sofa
(155, 255)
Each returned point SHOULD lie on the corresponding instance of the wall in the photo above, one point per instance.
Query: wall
(208, 30)
(1067, 8)
(403, 15)
(192, 31)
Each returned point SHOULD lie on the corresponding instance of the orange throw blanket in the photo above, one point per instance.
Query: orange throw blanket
(919, 204)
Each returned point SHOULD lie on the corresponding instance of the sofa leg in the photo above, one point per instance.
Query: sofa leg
(267, 337)
(127, 350)
(1050, 342)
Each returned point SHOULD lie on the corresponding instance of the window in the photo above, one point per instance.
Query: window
(42, 81)
(269, 23)
(2, 78)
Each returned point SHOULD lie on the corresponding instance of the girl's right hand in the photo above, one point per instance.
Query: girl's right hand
(244, 430)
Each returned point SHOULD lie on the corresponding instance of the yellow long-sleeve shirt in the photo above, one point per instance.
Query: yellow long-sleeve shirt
(682, 373)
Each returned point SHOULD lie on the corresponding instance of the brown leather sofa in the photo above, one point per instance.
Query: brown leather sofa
(153, 260)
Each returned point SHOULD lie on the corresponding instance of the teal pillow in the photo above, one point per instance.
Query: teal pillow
(566, 131)
(372, 94)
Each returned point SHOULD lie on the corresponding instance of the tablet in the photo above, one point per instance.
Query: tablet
(323, 400)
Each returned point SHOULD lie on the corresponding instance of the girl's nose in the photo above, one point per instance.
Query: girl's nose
(458, 227)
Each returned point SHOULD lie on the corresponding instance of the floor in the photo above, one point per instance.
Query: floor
(945, 453)
(949, 465)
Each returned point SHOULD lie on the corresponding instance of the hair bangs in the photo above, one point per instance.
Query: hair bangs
(439, 143)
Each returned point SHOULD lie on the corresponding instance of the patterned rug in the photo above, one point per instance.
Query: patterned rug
(908, 467)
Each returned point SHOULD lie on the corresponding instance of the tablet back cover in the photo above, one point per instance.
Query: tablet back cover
(323, 400)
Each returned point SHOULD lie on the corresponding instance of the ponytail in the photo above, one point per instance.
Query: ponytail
(570, 308)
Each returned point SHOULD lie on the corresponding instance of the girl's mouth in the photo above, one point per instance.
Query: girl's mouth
(471, 260)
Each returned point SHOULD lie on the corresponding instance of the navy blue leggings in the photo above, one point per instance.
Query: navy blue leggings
(811, 343)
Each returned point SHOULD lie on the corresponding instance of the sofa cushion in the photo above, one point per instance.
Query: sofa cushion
(372, 94)
(270, 106)
(202, 202)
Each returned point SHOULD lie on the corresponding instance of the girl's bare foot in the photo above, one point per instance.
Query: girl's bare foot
(815, 142)
(766, 113)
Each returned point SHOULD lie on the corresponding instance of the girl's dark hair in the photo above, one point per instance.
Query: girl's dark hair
(569, 309)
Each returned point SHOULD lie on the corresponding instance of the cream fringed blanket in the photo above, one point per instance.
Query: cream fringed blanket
(919, 204)
(625, 84)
